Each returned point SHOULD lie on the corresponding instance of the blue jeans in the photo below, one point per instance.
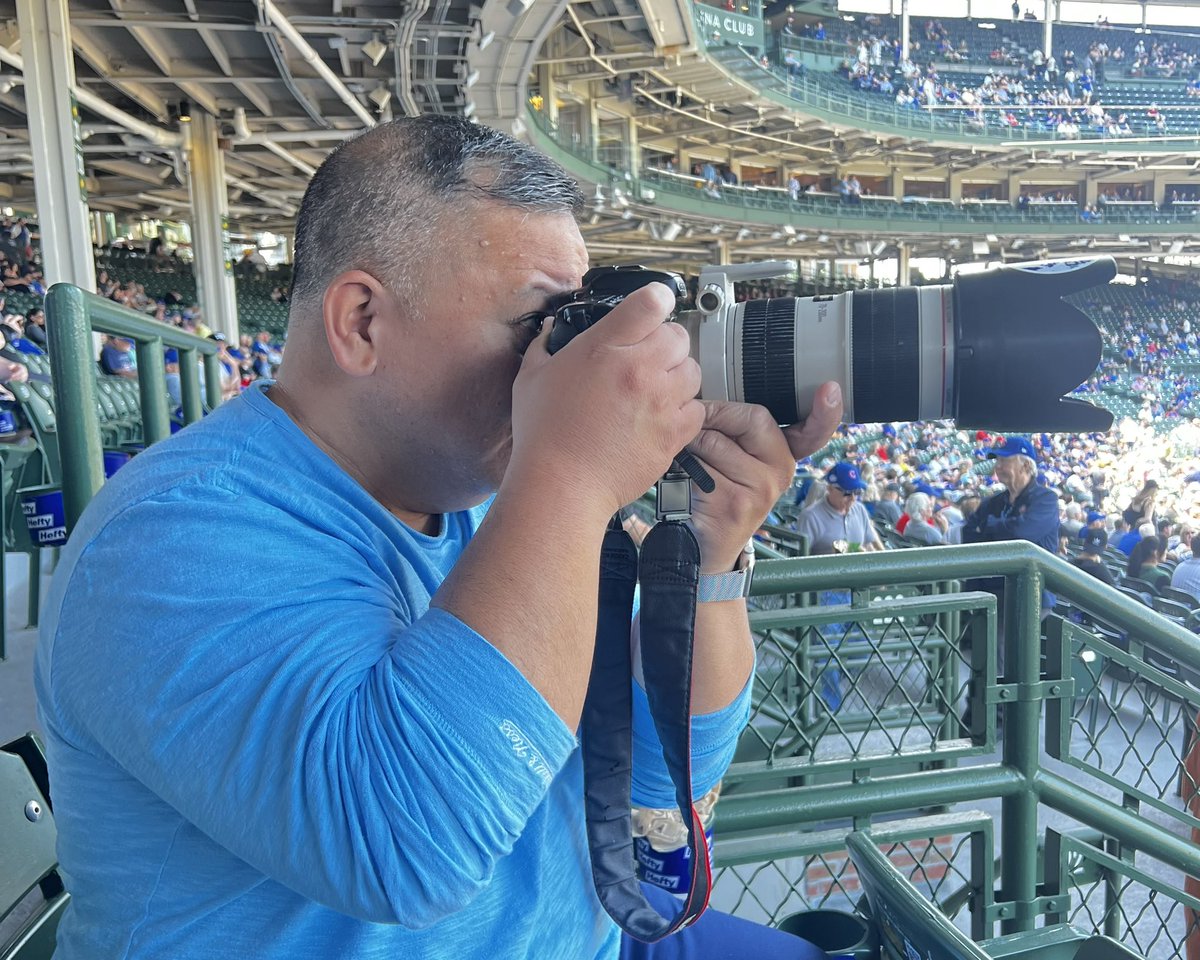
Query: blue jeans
(716, 936)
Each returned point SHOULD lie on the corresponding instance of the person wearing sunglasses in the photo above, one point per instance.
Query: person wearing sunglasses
(839, 523)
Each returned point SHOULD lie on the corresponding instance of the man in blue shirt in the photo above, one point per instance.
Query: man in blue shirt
(361, 741)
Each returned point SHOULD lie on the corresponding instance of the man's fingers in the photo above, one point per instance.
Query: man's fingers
(811, 435)
(751, 426)
(635, 317)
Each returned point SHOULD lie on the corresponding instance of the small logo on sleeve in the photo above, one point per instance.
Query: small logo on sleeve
(527, 751)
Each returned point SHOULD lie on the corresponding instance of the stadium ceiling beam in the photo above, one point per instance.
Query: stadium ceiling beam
(86, 46)
(154, 50)
(256, 97)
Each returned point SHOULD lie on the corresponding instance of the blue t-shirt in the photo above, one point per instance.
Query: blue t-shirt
(263, 742)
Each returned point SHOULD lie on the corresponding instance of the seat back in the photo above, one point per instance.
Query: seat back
(1179, 596)
(27, 857)
(39, 411)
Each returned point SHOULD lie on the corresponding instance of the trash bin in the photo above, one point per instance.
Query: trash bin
(842, 935)
(45, 517)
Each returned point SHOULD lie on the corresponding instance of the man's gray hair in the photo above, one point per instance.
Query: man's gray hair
(1028, 464)
(378, 199)
(917, 505)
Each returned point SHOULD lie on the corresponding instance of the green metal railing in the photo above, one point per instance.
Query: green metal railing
(1089, 724)
(771, 206)
(73, 316)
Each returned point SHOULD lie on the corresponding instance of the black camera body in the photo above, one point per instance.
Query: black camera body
(603, 288)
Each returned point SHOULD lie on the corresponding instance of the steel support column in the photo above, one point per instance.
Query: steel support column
(1048, 29)
(53, 117)
(206, 184)
(904, 29)
(903, 270)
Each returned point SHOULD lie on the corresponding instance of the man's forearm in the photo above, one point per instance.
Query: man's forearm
(528, 584)
(723, 655)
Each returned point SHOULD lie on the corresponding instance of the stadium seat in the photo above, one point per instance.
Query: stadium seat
(27, 854)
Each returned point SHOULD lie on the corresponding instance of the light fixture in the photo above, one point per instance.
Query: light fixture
(472, 79)
(879, 247)
(6, 85)
(715, 228)
(469, 109)
(743, 234)
(671, 231)
(486, 39)
(374, 49)
(381, 97)
(1176, 247)
(627, 215)
(789, 229)
(185, 112)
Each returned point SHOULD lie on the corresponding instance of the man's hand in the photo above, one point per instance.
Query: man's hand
(602, 419)
(752, 461)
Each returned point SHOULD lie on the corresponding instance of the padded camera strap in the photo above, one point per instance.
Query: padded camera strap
(669, 574)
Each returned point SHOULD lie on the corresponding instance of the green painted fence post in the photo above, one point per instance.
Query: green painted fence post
(212, 380)
(156, 419)
(72, 363)
(189, 386)
(1022, 668)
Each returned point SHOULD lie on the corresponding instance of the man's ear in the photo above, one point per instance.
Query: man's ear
(354, 303)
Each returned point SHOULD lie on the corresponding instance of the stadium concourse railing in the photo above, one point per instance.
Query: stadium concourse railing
(772, 206)
(1052, 790)
(73, 317)
(881, 114)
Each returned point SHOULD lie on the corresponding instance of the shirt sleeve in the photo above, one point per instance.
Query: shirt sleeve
(375, 763)
(714, 740)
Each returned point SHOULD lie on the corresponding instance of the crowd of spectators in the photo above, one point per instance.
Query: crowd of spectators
(23, 330)
(1048, 92)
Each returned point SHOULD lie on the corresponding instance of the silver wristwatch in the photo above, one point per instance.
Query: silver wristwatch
(735, 585)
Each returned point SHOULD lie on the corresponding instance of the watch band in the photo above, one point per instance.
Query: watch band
(735, 585)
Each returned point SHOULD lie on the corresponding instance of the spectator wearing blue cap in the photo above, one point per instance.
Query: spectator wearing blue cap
(839, 523)
(1023, 510)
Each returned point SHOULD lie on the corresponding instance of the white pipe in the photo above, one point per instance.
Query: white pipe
(156, 135)
(313, 59)
(241, 134)
(299, 136)
(306, 168)
(258, 192)
(241, 129)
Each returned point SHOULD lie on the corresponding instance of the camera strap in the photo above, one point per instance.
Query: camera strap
(669, 572)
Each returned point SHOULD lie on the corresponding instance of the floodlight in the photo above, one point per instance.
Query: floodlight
(375, 49)
(381, 97)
